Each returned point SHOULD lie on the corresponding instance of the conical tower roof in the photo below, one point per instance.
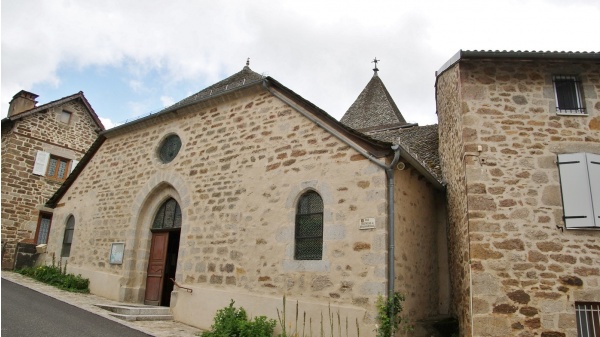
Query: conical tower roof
(374, 107)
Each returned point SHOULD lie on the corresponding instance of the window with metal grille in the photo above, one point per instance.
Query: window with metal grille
(309, 227)
(588, 319)
(43, 228)
(567, 91)
(168, 215)
(68, 237)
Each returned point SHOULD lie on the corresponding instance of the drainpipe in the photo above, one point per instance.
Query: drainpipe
(389, 170)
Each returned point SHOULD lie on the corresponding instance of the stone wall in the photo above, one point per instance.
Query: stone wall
(527, 269)
(421, 256)
(241, 169)
(451, 153)
(24, 194)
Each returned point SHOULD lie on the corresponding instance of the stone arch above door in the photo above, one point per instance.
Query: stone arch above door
(149, 198)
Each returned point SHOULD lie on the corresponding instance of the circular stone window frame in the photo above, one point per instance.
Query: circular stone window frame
(163, 144)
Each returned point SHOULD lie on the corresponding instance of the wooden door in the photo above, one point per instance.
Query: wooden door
(156, 268)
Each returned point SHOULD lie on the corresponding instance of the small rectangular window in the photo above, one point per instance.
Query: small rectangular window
(64, 117)
(587, 315)
(58, 168)
(43, 228)
(567, 92)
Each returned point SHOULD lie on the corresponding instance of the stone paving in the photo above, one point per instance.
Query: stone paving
(88, 302)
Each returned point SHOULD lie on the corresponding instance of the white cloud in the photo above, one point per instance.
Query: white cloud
(108, 124)
(321, 50)
(167, 101)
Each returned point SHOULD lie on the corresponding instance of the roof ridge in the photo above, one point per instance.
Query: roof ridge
(246, 75)
(56, 102)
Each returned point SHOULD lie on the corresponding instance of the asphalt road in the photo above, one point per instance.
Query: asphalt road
(28, 313)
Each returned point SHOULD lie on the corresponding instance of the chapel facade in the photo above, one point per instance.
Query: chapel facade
(247, 191)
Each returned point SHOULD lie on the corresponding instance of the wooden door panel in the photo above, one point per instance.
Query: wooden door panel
(156, 267)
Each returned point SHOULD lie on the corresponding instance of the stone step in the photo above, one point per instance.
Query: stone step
(138, 312)
(143, 317)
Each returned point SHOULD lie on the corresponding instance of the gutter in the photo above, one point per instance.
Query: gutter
(389, 170)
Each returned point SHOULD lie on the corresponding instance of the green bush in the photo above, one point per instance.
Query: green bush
(53, 275)
(388, 315)
(232, 322)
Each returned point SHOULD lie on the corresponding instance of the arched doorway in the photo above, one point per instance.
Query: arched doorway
(164, 247)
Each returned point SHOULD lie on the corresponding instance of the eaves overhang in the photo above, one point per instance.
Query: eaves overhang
(518, 55)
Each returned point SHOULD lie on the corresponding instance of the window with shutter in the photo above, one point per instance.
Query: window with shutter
(57, 168)
(579, 183)
(309, 227)
(41, 163)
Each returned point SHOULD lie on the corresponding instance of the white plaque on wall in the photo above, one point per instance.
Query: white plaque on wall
(367, 223)
(116, 253)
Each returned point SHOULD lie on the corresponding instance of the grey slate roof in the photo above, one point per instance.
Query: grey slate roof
(373, 107)
(243, 77)
(421, 142)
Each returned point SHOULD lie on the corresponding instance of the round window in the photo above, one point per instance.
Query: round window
(169, 148)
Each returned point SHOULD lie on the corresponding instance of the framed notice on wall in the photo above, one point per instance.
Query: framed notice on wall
(116, 253)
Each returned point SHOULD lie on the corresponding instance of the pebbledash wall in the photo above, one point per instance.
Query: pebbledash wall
(517, 270)
(23, 193)
(243, 164)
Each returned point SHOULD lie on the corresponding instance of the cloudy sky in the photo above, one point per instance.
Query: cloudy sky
(134, 57)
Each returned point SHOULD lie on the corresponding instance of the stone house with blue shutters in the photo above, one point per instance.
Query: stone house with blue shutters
(247, 191)
(41, 145)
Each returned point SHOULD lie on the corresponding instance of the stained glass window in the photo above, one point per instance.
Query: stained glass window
(169, 148)
(309, 227)
(168, 215)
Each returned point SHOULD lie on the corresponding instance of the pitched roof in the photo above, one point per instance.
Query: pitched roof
(57, 102)
(245, 76)
(373, 107)
(421, 143)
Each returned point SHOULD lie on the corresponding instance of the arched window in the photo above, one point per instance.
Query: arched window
(309, 227)
(168, 215)
(68, 237)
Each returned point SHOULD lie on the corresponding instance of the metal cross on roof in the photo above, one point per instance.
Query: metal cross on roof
(375, 60)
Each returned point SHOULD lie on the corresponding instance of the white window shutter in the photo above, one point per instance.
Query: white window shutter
(41, 163)
(73, 164)
(575, 187)
(593, 162)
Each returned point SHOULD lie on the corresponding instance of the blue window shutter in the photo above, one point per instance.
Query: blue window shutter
(575, 187)
(593, 163)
